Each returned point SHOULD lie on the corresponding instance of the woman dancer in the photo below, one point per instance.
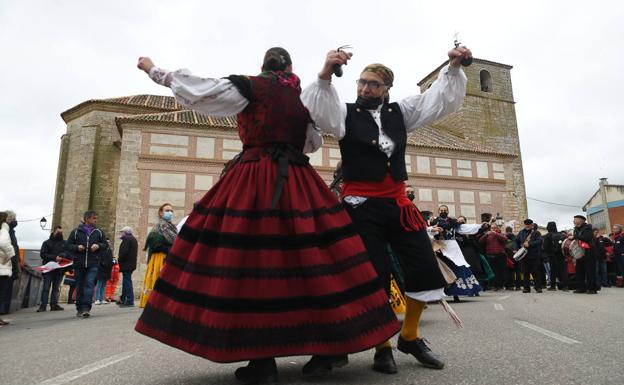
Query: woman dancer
(268, 263)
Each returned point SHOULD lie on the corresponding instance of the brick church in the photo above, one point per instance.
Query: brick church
(124, 157)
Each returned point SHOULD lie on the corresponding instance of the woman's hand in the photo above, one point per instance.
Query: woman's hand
(145, 64)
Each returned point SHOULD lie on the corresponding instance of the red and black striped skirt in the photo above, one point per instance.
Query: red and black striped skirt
(244, 281)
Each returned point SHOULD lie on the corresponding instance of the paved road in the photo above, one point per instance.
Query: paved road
(509, 338)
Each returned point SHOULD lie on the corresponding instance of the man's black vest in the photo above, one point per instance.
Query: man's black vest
(362, 160)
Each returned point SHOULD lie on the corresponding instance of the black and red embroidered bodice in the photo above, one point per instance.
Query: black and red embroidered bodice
(275, 114)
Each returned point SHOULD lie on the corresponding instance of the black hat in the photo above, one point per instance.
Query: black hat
(528, 222)
(581, 217)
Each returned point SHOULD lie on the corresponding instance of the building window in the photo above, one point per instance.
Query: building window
(464, 168)
(334, 157)
(485, 198)
(231, 148)
(446, 196)
(499, 171)
(482, 170)
(316, 158)
(168, 145)
(425, 195)
(598, 220)
(423, 165)
(467, 197)
(205, 148)
(443, 166)
(408, 163)
(486, 81)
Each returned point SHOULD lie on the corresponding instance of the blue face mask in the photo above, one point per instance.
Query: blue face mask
(168, 216)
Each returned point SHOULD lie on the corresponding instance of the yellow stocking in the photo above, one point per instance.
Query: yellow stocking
(383, 345)
(413, 311)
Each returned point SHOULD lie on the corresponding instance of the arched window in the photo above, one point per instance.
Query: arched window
(486, 81)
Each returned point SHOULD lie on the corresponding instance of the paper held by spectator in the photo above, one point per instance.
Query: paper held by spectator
(48, 267)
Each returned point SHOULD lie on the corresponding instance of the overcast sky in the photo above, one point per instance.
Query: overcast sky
(567, 58)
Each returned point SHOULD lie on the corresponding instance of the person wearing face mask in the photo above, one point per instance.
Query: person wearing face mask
(6, 253)
(84, 246)
(157, 244)
(446, 225)
(5, 301)
(52, 250)
(372, 134)
(268, 263)
(410, 193)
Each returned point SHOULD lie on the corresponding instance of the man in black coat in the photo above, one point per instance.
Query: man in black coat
(52, 250)
(84, 246)
(531, 239)
(558, 266)
(128, 251)
(586, 266)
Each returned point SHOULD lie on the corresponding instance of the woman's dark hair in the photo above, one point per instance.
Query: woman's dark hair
(276, 59)
(3, 217)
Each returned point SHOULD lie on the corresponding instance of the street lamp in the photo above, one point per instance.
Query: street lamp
(499, 220)
(43, 223)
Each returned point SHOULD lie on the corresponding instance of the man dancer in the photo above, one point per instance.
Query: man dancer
(372, 134)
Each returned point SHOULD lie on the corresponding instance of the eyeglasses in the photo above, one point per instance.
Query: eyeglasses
(372, 84)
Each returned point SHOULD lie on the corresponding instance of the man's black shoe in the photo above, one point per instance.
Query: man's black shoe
(262, 371)
(86, 314)
(56, 308)
(538, 290)
(592, 292)
(41, 308)
(526, 290)
(324, 364)
(384, 361)
(421, 351)
(552, 289)
(578, 291)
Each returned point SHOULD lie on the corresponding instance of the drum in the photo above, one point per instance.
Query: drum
(520, 254)
(571, 248)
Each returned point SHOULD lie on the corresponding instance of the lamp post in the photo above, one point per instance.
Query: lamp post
(43, 223)
(499, 220)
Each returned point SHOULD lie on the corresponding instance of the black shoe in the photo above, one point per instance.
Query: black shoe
(538, 290)
(79, 313)
(86, 314)
(579, 291)
(56, 308)
(262, 371)
(552, 289)
(126, 305)
(526, 290)
(592, 292)
(518, 288)
(421, 351)
(41, 308)
(324, 364)
(384, 361)
(565, 289)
